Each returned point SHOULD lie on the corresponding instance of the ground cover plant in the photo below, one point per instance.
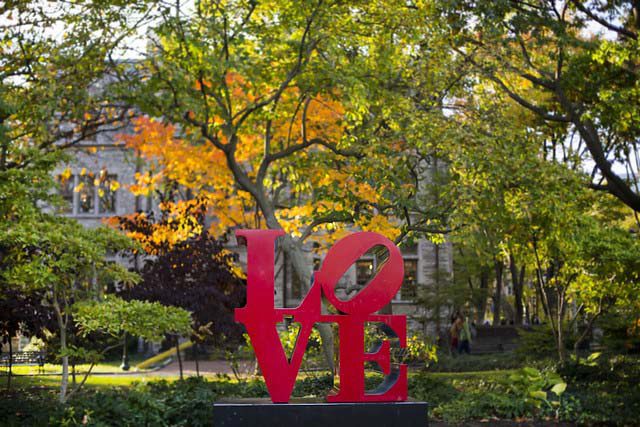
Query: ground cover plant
(602, 390)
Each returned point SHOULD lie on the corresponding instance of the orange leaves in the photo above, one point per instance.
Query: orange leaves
(193, 165)
(310, 182)
(180, 224)
(325, 120)
(316, 118)
(229, 210)
(198, 85)
(239, 88)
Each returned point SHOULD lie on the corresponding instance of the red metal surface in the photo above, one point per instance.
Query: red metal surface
(260, 317)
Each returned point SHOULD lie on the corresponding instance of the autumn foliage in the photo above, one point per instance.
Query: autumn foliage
(305, 186)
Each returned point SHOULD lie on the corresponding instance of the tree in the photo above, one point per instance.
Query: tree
(64, 261)
(572, 63)
(192, 271)
(21, 313)
(116, 317)
(287, 107)
(518, 202)
(54, 85)
(53, 94)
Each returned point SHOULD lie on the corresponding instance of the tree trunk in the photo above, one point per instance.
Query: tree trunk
(195, 358)
(438, 307)
(517, 278)
(562, 351)
(497, 296)
(179, 357)
(292, 248)
(560, 344)
(10, 363)
(62, 325)
(481, 306)
(64, 382)
(538, 303)
(302, 269)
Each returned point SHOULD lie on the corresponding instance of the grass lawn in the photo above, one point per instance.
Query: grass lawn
(53, 381)
(105, 381)
(486, 375)
(107, 367)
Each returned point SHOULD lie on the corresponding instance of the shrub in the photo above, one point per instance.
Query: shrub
(539, 342)
(28, 407)
(484, 362)
(605, 390)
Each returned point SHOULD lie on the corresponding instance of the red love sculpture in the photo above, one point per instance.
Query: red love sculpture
(260, 317)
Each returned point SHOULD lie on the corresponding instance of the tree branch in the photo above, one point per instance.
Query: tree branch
(620, 30)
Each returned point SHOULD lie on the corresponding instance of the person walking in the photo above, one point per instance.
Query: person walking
(464, 337)
(454, 332)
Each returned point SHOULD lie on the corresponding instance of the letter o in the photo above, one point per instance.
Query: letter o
(380, 290)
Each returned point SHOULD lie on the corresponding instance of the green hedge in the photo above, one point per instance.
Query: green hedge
(454, 397)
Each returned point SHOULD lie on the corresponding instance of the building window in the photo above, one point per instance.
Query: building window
(364, 271)
(107, 187)
(409, 248)
(66, 183)
(410, 282)
(88, 194)
(367, 268)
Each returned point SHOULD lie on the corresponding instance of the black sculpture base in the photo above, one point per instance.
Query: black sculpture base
(263, 413)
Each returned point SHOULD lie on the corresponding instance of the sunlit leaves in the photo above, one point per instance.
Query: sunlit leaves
(147, 320)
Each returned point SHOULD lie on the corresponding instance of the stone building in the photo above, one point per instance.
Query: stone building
(88, 184)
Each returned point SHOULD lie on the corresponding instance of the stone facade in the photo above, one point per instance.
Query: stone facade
(105, 157)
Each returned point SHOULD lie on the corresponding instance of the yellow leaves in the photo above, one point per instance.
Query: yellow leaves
(178, 228)
(326, 180)
(388, 227)
(78, 188)
(83, 171)
(329, 234)
(323, 119)
(65, 175)
(324, 206)
(294, 219)
(145, 183)
(365, 192)
(138, 190)
(180, 156)
(224, 256)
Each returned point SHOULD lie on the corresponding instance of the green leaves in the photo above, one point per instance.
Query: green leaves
(147, 320)
(534, 385)
(55, 254)
(559, 388)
